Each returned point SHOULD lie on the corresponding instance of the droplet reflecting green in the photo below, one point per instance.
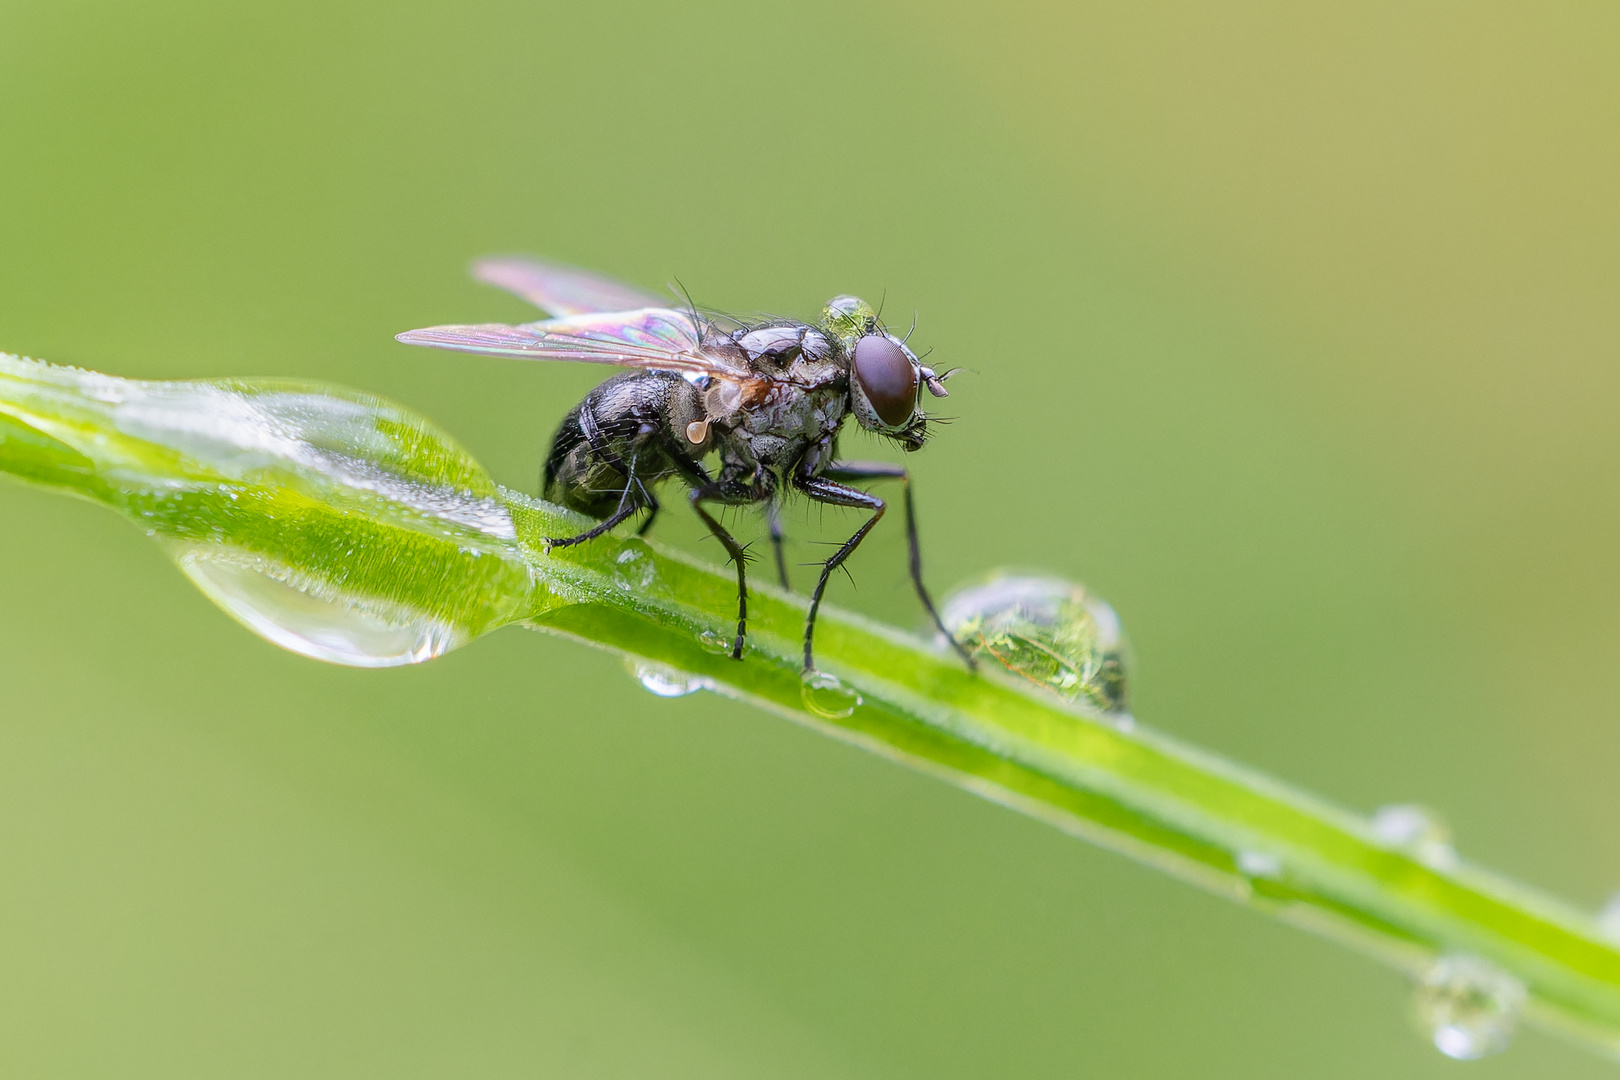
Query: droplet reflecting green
(826, 696)
(1052, 632)
(1469, 1006)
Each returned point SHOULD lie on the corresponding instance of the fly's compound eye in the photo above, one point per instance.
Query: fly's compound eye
(887, 377)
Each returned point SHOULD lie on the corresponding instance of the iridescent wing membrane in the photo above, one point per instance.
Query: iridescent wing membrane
(560, 290)
(648, 335)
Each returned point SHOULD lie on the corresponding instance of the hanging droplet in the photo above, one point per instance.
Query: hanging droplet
(827, 696)
(1469, 1006)
(1416, 830)
(1052, 632)
(665, 681)
(634, 569)
(310, 616)
(335, 524)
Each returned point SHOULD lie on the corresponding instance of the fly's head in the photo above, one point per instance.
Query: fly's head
(886, 378)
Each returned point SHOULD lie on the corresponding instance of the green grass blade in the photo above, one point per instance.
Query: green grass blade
(347, 528)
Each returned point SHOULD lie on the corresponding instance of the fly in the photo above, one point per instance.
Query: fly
(767, 399)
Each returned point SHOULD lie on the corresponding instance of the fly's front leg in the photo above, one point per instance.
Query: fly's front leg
(730, 495)
(880, 470)
(823, 490)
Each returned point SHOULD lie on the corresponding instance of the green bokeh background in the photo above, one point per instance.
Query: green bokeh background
(1292, 331)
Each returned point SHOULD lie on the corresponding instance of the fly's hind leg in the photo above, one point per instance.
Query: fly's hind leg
(629, 503)
(879, 470)
(625, 510)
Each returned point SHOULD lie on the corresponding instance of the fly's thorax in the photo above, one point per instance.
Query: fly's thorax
(790, 418)
(776, 348)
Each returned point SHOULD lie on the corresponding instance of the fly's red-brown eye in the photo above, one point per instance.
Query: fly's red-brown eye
(887, 376)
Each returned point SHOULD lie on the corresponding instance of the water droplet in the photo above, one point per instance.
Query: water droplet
(1259, 864)
(827, 696)
(1469, 1006)
(1052, 632)
(634, 569)
(313, 617)
(1608, 919)
(1418, 831)
(665, 681)
(715, 642)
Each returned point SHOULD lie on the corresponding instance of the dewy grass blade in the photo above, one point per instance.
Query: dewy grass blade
(346, 528)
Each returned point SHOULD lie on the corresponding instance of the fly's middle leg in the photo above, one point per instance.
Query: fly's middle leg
(730, 495)
(773, 518)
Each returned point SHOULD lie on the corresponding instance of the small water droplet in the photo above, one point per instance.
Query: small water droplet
(634, 569)
(1054, 633)
(1469, 1006)
(827, 696)
(1418, 831)
(313, 617)
(665, 681)
(715, 642)
(1608, 919)
(1259, 864)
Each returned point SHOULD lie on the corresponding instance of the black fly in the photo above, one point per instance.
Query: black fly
(767, 398)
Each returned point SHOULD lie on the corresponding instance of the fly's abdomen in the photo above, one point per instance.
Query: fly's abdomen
(618, 441)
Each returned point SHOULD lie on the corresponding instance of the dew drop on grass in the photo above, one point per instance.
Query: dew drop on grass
(1052, 632)
(715, 642)
(312, 617)
(1608, 919)
(634, 570)
(665, 681)
(1416, 830)
(1259, 864)
(827, 696)
(1469, 1006)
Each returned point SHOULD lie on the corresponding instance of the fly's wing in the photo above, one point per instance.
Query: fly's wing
(562, 290)
(654, 339)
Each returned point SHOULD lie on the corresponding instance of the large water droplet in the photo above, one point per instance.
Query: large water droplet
(311, 617)
(1418, 831)
(827, 696)
(1469, 1006)
(666, 681)
(1052, 632)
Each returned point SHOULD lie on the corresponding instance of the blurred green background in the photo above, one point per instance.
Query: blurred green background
(1293, 331)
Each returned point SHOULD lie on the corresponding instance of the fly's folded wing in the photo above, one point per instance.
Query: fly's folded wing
(654, 339)
(560, 290)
